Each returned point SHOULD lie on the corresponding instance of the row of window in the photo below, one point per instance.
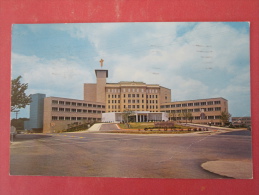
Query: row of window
(67, 103)
(133, 96)
(56, 109)
(133, 90)
(133, 106)
(67, 118)
(196, 118)
(192, 104)
(133, 101)
(194, 110)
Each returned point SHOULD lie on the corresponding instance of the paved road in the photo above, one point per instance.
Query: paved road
(109, 127)
(123, 155)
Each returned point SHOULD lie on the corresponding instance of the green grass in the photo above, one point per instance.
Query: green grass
(142, 126)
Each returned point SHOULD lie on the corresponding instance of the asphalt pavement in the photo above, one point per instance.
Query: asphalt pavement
(225, 154)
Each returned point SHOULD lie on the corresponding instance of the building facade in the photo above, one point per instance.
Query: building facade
(203, 111)
(137, 96)
(61, 112)
(36, 112)
(241, 121)
(107, 101)
(136, 116)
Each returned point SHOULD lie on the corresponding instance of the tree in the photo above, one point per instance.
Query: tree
(126, 114)
(225, 116)
(18, 97)
(190, 116)
(187, 115)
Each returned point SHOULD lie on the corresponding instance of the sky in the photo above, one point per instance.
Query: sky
(196, 60)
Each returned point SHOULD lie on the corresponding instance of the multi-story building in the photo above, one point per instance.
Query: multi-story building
(61, 112)
(137, 96)
(203, 111)
(107, 101)
(36, 112)
(241, 121)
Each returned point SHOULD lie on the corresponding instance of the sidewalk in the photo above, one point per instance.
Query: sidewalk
(95, 127)
(237, 169)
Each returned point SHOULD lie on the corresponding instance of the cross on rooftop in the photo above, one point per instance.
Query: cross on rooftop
(101, 61)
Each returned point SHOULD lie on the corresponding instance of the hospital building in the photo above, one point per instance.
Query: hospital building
(106, 102)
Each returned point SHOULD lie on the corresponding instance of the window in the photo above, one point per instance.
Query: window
(210, 117)
(129, 95)
(196, 103)
(54, 109)
(61, 102)
(54, 118)
(79, 110)
(54, 101)
(73, 103)
(79, 104)
(67, 103)
(61, 109)
(190, 104)
(210, 103)
(184, 105)
(67, 109)
(197, 110)
(73, 110)
(178, 105)
(67, 118)
(203, 103)
(216, 102)
(197, 118)
(61, 118)
(210, 109)
(218, 109)
(73, 118)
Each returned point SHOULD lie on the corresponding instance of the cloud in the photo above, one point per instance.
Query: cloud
(60, 77)
(194, 60)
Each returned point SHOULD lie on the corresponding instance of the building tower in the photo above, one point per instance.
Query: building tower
(36, 112)
(101, 76)
(96, 92)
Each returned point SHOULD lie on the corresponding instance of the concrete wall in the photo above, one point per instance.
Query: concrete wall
(90, 92)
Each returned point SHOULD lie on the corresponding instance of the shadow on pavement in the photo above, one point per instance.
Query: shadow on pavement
(241, 133)
(26, 137)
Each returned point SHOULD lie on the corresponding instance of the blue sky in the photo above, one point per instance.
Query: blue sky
(195, 60)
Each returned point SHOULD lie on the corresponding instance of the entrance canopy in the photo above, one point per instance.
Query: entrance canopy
(137, 116)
